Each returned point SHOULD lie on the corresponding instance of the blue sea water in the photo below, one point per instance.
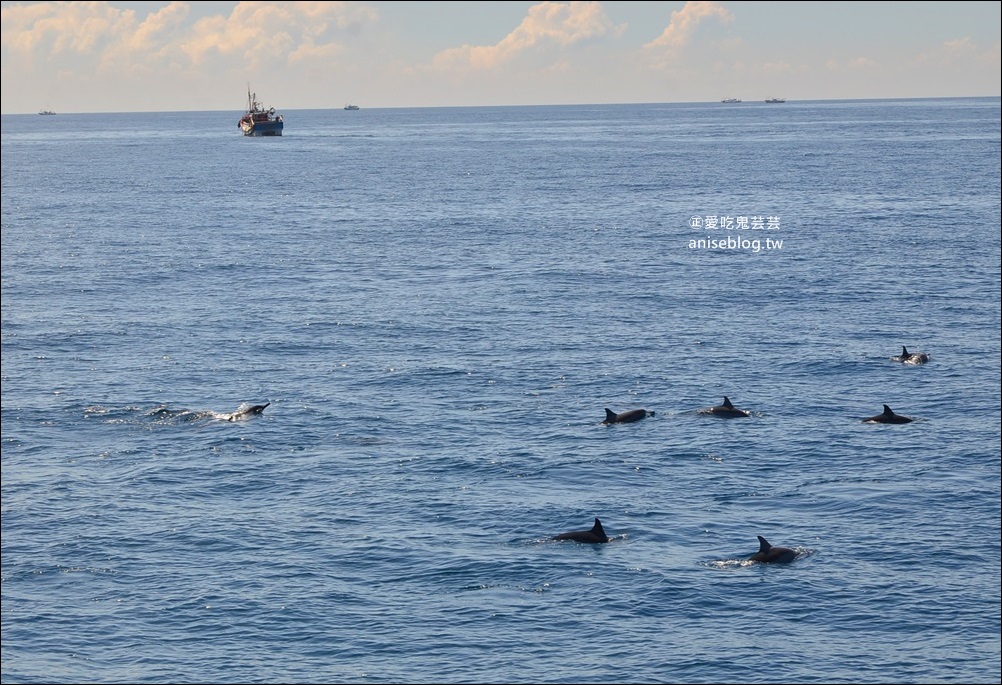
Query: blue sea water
(439, 304)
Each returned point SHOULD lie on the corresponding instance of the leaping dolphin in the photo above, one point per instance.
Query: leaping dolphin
(888, 416)
(725, 410)
(626, 416)
(767, 554)
(913, 358)
(243, 412)
(595, 535)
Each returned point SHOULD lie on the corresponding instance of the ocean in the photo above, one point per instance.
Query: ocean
(438, 305)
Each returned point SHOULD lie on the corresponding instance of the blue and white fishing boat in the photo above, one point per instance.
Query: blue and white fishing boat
(259, 121)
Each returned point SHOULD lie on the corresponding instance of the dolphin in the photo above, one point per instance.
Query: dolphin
(913, 358)
(626, 416)
(595, 535)
(244, 412)
(888, 416)
(725, 410)
(768, 554)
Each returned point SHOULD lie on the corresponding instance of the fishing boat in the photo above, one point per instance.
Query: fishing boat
(47, 112)
(259, 121)
(775, 100)
(351, 108)
(728, 101)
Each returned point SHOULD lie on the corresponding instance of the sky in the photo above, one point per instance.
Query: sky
(203, 56)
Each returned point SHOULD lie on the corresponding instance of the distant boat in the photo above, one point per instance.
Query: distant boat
(730, 100)
(259, 121)
(47, 112)
(775, 99)
(351, 108)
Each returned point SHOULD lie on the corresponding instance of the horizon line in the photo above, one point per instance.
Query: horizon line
(579, 104)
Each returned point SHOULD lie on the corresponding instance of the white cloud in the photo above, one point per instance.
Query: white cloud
(50, 29)
(948, 53)
(547, 24)
(972, 64)
(682, 25)
(254, 31)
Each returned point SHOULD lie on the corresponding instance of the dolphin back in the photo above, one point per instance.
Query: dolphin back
(767, 554)
(596, 534)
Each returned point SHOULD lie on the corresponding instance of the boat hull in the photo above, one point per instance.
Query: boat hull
(262, 128)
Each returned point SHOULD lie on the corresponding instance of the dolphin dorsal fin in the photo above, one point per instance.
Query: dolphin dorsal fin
(904, 351)
(727, 403)
(610, 415)
(763, 544)
(597, 528)
(888, 411)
